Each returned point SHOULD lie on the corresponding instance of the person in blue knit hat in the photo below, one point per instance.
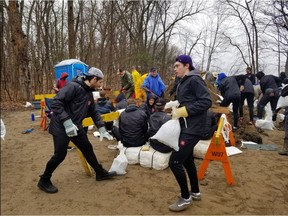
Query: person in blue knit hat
(230, 88)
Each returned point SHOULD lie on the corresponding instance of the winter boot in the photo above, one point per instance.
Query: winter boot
(284, 151)
(102, 174)
(46, 185)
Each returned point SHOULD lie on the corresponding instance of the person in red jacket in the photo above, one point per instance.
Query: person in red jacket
(61, 82)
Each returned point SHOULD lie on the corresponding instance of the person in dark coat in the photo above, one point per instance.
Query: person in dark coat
(248, 94)
(105, 106)
(231, 92)
(210, 125)
(250, 75)
(157, 119)
(268, 84)
(133, 125)
(194, 98)
(121, 101)
(70, 106)
(282, 76)
(149, 106)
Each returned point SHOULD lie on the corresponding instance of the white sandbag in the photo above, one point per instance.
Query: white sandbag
(201, 148)
(120, 163)
(282, 102)
(154, 159)
(132, 154)
(169, 133)
(268, 113)
(264, 124)
(116, 121)
(3, 130)
(171, 104)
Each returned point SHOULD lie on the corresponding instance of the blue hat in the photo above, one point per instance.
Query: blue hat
(185, 59)
(221, 76)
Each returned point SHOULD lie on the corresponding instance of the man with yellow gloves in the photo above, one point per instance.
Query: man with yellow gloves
(194, 99)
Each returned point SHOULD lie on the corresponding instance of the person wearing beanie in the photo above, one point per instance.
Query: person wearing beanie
(230, 88)
(194, 99)
(149, 106)
(157, 119)
(268, 83)
(70, 106)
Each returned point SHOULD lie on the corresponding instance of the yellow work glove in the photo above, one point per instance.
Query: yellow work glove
(180, 112)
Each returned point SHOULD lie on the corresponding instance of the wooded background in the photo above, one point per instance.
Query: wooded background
(36, 35)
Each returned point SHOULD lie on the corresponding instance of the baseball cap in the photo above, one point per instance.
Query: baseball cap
(185, 59)
(95, 72)
(160, 102)
(153, 69)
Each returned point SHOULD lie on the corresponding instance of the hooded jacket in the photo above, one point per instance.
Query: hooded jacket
(104, 106)
(193, 93)
(75, 101)
(147, 108)
(155, 84)
(133, 126)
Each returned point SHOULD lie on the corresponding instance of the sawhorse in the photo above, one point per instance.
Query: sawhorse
(217, 151)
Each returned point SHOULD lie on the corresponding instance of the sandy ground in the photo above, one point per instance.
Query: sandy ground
(261, 180)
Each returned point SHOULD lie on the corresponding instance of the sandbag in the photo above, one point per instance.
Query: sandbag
(264, 124)
(169, 133)
(3, 130)
(132, 154)
(120, 163)
(282, 102)
(154, 159)
(201, 148)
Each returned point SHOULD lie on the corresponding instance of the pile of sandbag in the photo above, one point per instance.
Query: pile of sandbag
(147, 158)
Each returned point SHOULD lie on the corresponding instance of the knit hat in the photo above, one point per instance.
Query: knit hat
(185, 59)
(221, 76)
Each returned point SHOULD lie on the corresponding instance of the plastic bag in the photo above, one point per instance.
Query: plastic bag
(120, 163)
(169, 133)
(3, 130)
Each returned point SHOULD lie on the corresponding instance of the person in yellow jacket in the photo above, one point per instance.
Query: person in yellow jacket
(139, 92)
(135, 76)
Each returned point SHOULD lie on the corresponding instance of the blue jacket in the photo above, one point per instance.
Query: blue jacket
(155, 84)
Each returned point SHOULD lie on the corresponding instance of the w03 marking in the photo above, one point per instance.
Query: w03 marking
(217, 154)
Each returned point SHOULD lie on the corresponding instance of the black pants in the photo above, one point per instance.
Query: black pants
(60, 151)
(184, 157)
(264, 101)
(235, 102)
(250, 100)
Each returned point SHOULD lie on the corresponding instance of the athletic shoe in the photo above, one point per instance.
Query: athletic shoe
(196, 196)
(181, 204)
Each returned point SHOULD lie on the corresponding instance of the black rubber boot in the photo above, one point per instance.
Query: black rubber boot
(46, 185)
(102, 174)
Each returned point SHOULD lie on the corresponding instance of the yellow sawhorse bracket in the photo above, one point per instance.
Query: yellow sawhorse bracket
(217, 151)
(87, 122)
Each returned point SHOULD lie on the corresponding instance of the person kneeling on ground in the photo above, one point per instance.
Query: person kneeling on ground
(132, 126)
(157, 119)
(70, 106)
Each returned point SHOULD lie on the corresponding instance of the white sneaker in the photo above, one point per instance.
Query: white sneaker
(181, 204)
(196, 196)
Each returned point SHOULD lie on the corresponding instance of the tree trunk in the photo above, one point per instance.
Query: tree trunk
(19, 47)
(71, 31)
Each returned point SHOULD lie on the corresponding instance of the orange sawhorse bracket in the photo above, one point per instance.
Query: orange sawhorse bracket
(217, 151)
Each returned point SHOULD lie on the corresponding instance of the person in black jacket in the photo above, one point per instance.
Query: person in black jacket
(149, 106)
(194, 98)
(173, 90)
(250, 75)
(268, 83)
(121, 101)
(70, 106)
(248, 94)
(231, 92)
(105, 106)
(132, 125)
(157, 119)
